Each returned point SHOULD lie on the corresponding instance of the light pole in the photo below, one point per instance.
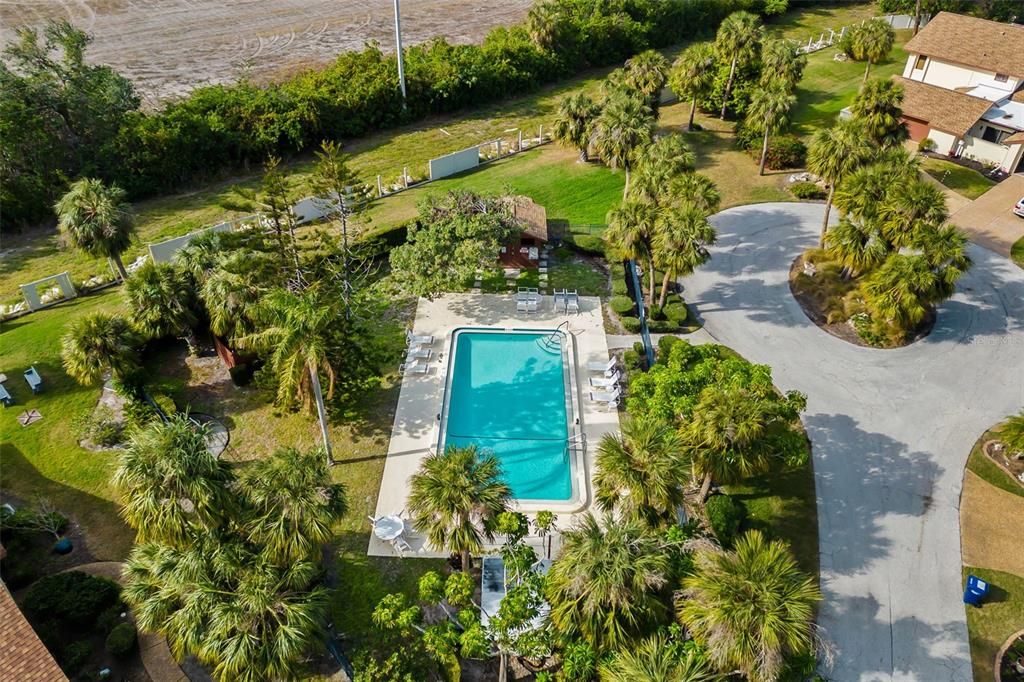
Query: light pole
(398, 50)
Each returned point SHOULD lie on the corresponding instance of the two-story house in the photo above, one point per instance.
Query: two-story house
(964, 89)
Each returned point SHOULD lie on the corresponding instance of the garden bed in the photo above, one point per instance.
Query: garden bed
(820, 297)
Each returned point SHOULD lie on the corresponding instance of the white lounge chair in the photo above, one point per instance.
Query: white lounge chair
(414, 367)
(606, 382)
(572, 304)
(418, 352)
(522, 305)
(607, 398)
(604, 367)
(532, 305)
(414, 340)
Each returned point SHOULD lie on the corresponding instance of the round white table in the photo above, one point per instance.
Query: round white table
(388, 527)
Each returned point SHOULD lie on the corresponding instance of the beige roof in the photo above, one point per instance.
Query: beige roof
(984, 44)
(22, 656)
(1016, 138)
(1017, 96)
(946, 110)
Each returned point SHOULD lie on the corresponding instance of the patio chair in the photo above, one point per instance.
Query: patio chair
(603, 367)
(522, 305)
(35, 381)
(414, 367)
(418, 353)
(532, 305)
(607, 398)
(401, 546)
(5, 397)
(414, 340)
(606, 382)
(572, 304)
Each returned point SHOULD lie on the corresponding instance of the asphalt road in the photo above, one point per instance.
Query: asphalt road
(890, 429)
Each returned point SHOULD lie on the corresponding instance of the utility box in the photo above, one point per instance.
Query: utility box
(976, 590)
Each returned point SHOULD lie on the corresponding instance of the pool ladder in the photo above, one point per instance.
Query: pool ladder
(552, 343)
(576, 442)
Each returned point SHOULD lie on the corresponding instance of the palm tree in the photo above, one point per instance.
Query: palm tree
(877, 107)
(544, 23)
(750, 608)
(832, 155)
(231, 299)
(781, 63)
(693, 74)
(1012, 433)
(767, 111)
(640, 471)
(171, 487)
(727, 431)
(162, 302)
(97, 219)
(681, 240)
(606, 584)
(658, 162)
(624, 125)
(297, 329)
(944, 247)
(98, 343)
(871, 42)
(737, 41)
(901, 290)
(910, 207)
(455, 499)
(647, 74)
(274, 199)
(574, 120)
(656, 659)
(631, 229)
(241, 617)
(293, 505)
(697, 189)
(855, 248)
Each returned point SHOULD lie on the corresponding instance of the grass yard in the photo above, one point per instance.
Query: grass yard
(992, 624)
(964, 181)
(783, 505)
(1017, 252)
(44, 458)
(552, 176)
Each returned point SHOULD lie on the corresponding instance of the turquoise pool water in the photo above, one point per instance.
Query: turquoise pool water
(507, 394)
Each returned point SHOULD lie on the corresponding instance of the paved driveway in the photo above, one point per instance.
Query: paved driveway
(989, 219)
(891, 431)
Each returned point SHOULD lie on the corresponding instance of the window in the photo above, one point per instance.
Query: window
(990, 134)
(922, 60)
(1001, 78)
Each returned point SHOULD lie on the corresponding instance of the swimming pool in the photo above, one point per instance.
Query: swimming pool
(509, 392)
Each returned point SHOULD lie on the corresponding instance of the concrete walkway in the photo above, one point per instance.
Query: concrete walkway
(891, 431)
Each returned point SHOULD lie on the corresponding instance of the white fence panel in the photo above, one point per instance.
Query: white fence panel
(164, 252)
(450, 164)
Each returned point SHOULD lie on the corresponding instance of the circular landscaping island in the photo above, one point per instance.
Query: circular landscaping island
(837, 302)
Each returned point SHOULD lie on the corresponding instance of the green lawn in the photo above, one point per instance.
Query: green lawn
(1017, 252)
(964, 181)
(44, 458)
(783, 505)
(992, 624)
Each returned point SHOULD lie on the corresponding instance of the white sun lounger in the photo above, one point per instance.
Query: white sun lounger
(607, 398)
(414, 340)
(573, 304)
(605, 367)
(606, 382)
(414, 367)
(418, 352)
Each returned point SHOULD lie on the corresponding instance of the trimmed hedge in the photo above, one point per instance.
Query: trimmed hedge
(631, 324)
(665, 345)
(121, 640)
(73, 596)
(622, 305)
(725, 516)
(807, 190)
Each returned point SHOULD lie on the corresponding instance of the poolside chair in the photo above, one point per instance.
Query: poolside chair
(414, 340)
(606, 382)
(35, 381)
(532, 305)
(607, 398)
(418, 353)
(605, 367)
(572, 303)
(414, 367)
(401, 546)
(522, 305)
(5, 397)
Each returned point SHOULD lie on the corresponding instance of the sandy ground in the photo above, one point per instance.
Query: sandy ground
(990, 526)
(168, 47)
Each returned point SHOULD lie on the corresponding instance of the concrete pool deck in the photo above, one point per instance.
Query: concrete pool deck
(415, 429)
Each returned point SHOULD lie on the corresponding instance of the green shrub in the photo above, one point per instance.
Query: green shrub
(807, 190)
(632, 360)
(725, 516)
(579, 662)
(138, 413)
(662, 326)
(588, 243)
(638, 347)
(110, 618)
(631, 324)
(665, 345)
(74, 656)
(165, 403)
(17, 572)
(73, 596)
(622, 305)
(785, 151)
(926, 145)
(677, 313)
(241, 375)
(121, 640)
(619, 286)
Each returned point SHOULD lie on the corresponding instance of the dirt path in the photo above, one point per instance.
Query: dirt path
(990, 526)
(167, 47)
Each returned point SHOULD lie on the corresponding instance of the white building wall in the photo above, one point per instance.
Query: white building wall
(944, 142)
(981, 151)
(951, 76)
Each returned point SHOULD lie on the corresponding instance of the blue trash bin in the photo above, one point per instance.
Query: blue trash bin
(974, 593)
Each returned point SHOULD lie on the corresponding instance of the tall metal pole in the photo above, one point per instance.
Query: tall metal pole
(398, 50)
